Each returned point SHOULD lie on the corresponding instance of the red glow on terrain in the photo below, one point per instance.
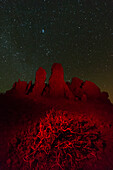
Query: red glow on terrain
(60, 141)
(56, 126)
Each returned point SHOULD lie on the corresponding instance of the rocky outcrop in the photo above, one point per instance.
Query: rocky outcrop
(57, 86)
(76, 83)
(19, 87)
(91, 90)
(39, 82)
(84, 90)
(77, 89)
(56, 81)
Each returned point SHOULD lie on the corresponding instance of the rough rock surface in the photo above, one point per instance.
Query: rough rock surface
(76, 87)
(91, 90)
(19, 87)
(29, 87)
(39, 82)
(76, 83)
(56, 81)
(104, 96)
(57, 86)
(85, 90)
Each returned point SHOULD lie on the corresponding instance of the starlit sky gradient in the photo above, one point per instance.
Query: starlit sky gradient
(76, 33)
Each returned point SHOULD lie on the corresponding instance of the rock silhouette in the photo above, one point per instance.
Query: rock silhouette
(77, 89)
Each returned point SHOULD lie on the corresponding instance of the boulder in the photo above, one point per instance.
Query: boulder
(91, 90)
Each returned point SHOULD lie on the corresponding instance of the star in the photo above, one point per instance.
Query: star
(43, 31)
(75, 34)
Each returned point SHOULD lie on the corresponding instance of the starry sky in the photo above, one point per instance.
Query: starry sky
(76, 33)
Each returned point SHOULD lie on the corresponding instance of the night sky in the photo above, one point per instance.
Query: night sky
(76, 33)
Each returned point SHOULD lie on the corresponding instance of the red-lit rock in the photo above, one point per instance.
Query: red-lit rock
(104, 96)
(68, 84)
(19, 87)
(91, 90)
(50, 133)
(46, 90)
(67, 92)
(29, 87)
(84, 98)
(39, 82)
(76, 87)
(76, 83)
(57, 86)
(56, 81)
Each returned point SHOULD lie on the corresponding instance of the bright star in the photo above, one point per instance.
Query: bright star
(43, 31)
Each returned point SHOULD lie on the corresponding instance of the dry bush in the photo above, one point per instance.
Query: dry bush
(59, 141)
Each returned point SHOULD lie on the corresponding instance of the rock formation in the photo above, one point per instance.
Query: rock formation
(91, 90)
(39, 82)
(29, 87)
(58, 88)
(19, 88)
(76, 87)
(84, 90)
(104, 96)
(56, 81)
